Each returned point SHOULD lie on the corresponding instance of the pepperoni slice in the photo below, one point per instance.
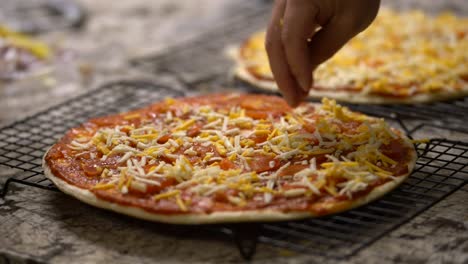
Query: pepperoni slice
(195, 129)
(226, 164)
(164, 139)
(261, 107)
(91, 170)
(263, 163)
(259, 138)
(292, 169)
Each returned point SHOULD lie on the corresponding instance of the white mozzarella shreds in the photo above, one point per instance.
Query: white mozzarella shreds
(222, 156)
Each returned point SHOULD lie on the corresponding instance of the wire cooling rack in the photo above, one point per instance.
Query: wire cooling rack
(201, 66)
(441, 169)
(23, 143)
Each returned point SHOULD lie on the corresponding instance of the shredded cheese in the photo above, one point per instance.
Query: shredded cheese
(402, 53)
(223, 156)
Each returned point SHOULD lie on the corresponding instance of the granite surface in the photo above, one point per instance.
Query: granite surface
(45, 226)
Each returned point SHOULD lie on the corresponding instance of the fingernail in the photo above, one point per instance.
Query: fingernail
(307, 84)
(304, 85)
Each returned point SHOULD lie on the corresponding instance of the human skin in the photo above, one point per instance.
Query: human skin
(295, 47)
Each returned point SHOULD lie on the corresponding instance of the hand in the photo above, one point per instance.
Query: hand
(295, 47)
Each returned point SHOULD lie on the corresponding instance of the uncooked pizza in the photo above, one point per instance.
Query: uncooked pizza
(20, 55)
(403, 57)
(230, 158)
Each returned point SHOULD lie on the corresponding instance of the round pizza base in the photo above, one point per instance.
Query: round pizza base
(349, 97)
(225, 217)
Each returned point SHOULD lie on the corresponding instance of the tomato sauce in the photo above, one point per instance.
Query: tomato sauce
(85, 171)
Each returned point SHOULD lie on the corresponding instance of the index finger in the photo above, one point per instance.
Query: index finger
(277, 57)
(299, 26)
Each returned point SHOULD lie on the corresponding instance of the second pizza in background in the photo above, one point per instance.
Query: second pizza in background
(403, 57)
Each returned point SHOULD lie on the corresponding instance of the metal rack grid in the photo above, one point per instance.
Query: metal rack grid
(441, 169)
(23, 143)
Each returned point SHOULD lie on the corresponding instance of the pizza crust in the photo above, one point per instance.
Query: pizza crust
(349, 97)
(227, 217)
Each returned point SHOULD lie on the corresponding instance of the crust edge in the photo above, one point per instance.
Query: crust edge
(222, 217)
(241, 73)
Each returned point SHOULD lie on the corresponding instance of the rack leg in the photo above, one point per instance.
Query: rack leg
(4, 190)
(9, 181)
(246, 238)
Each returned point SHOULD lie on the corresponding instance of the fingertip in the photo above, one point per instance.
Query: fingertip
(294, 96)
(305, 88)
(293, 103)
(289, 97)
(298, 24)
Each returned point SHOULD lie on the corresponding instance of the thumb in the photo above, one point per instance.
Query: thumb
(328, 40)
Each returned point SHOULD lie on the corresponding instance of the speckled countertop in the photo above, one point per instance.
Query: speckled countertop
(44, 226)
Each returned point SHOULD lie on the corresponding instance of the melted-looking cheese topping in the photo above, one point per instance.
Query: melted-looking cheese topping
(163, 149)
(400, 54)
